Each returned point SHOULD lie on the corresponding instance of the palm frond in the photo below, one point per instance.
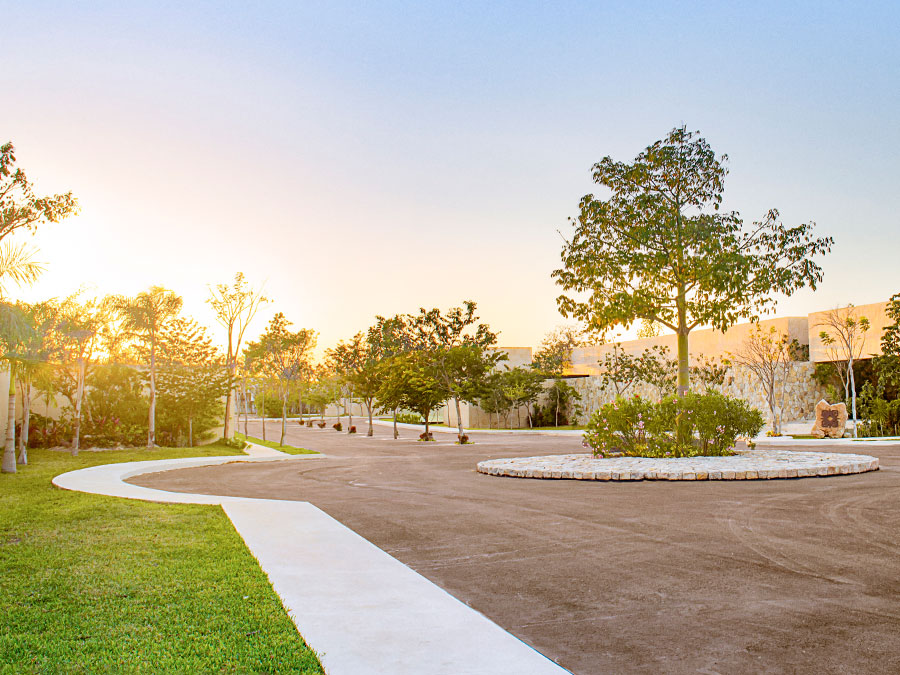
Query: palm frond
(17, 264)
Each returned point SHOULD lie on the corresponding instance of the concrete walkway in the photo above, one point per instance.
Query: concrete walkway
(360, 609)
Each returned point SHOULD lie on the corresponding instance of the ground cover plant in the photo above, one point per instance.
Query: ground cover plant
(289, 449)
(101, 584)
(687, 426)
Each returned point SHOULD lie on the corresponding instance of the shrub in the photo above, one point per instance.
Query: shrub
(697, 424)
(463, 438)
(410, 418)
(321, 425)
(426, 437)
(352, 429)
(337, 426)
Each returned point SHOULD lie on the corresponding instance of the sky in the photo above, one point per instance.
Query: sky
(373, 158)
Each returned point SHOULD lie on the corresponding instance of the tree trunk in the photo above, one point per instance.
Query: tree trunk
(427, 416)
(151, 422)
(191, 432)
(263, 414)
(227, 431)
(283, 417)
(369, 402)
(79, 397)
(26, 416)
(9, 450)
(459, 424)
(853, 397)
(396, 433)
(349, 414)
(246, 406)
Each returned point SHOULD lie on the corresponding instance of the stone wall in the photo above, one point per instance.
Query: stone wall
(802, 392)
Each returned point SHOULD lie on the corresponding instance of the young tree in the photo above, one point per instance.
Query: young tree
(358, 361)
(145, 315)
(660, 249)
(283, 355)
(411, 381)
(389, 338)
(522, 386)
(491, 398)
(235, 306)
(769, 356)
(459, 348)
(555, 354)
(844, 338)
(560, 395)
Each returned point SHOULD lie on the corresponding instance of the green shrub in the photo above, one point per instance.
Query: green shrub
(410, 418)
(697, 424)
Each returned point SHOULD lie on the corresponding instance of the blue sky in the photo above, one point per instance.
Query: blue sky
(369, 158)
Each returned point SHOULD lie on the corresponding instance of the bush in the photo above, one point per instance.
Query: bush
(352, 429)
(337, 426)
(697, 424)
(46, 432)
(321, 425)
(410, 418)
(426, 437)
(463, 438)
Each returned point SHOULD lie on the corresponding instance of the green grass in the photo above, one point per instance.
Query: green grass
(94, 584)
(289, 449)
(571, 427)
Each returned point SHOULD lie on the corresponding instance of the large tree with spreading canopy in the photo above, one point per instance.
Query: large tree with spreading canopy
(660, 248)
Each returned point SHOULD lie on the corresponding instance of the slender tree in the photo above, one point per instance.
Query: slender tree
(769, 356)
(660, 249)
(235, 306)
(844, 337)
(283, 355)
(145, 315)
(15, 330)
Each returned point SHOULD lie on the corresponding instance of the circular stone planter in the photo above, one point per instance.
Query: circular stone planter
(748, 465)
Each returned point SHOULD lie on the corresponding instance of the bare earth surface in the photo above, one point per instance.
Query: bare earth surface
(780, 576)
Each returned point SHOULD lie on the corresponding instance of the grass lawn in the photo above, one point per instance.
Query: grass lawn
(94, 584)
(289, 449)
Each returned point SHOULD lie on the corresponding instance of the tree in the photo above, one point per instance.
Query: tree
(283, 355)
(191, 380)
(358, 361)
(769, 356)
(36, 351)
(660, 249)
(235, 306)
(22, 210)
(491, 397)
(412, 381)
(555, 354)
(459, 348)
(80, 327)
(844, 338)
(522, 386)
(15, 331)
(560, 395)
(145, 315)
(389, 338)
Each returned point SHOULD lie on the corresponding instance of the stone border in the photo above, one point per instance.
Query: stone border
(748, 465)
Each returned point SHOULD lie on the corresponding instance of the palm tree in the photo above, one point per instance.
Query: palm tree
(14, 332)
(145, 315)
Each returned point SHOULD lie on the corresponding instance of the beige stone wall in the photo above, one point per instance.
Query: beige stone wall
(709, 343)
(802, 392)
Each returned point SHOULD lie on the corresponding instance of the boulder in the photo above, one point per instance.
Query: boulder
(830, 420)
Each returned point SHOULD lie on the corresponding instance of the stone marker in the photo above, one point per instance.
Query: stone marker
(830, 420)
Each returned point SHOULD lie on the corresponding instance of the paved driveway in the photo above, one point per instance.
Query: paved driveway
(793, 576)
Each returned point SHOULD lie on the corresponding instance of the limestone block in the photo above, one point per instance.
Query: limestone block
(830, 420)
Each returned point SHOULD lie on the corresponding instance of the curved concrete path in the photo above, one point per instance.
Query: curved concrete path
(363, 611)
